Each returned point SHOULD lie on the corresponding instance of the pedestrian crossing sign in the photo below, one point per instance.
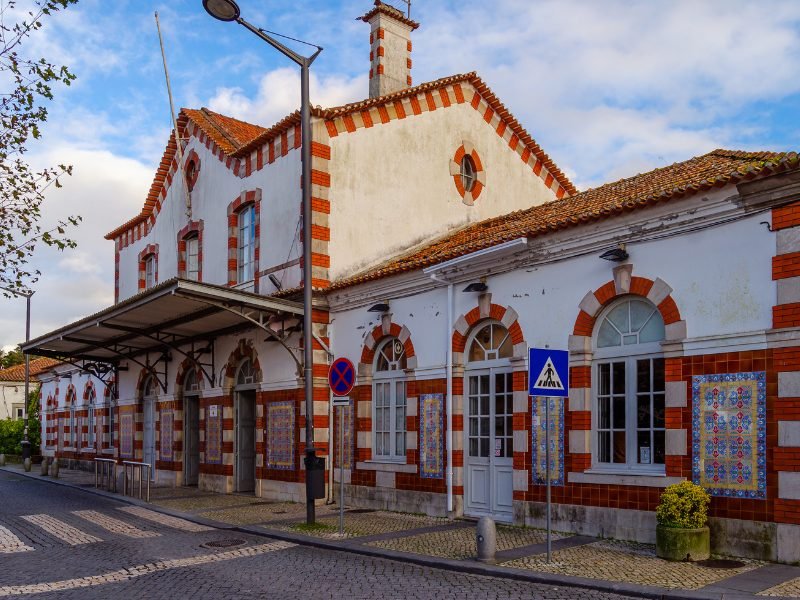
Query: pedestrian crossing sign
(548, 372)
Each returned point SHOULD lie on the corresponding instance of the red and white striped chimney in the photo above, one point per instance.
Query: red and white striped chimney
(390, 49)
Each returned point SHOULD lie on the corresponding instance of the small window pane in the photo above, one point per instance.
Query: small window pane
(620, 318)
(618, 378)
(640, 313)
(604, 385)
(629, 340)
(658, 447)
(643, 448)
(619, 446)
(608, 337)
(473, 447)
(643, 412)
(485, 447)
(604, 446)
(658, 374)
(643, 375)
(658, 410)
(653, 331)
(604, 411)
(619, 412)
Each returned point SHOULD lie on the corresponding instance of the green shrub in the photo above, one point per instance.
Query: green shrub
(683, 505)
(11, 433)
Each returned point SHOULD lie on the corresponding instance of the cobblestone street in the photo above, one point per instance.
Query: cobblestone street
(58, 542)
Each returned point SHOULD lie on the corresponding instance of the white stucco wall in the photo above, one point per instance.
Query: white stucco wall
(391, 185)
(12, 396)
(721, 287)
(215, 189)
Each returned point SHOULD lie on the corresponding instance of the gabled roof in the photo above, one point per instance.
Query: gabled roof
(37, 366)
(237, 139)
(715, 169)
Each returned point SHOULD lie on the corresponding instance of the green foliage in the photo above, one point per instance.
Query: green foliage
(11, 435)
(683, 505)
(26, 86)
(11, 358)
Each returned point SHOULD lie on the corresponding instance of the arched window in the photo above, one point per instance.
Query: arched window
(192, 257)
(149, 389)
(389, 401)
(73, 425)
(468, 172)
(629, 388)
(492, 341)
(247, 374)
(191, 382)
(90, 418)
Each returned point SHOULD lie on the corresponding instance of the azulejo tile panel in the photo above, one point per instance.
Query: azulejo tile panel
(280, 435)
(729, 434)
(213, 453)
(431, 436)
(166, 425)
(126, 430)
(539, 440)
(346, 414)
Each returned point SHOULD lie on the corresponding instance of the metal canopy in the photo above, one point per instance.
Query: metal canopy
(168, 317)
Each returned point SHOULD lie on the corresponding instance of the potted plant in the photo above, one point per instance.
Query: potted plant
(681, 531)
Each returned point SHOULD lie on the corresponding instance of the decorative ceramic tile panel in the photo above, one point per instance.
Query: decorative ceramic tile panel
(346, 413)
(539, 440)
(60, 434)
(280, 435)
(166, 425)
(431, 436)
(127, 428)
(729, 434)
(213, 453)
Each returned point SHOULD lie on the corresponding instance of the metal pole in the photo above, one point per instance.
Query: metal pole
(547, 466)
(26, 445)
(308, 347)
(341, 470)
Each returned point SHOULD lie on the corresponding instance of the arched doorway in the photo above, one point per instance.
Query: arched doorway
(191, 427)
(244, 412)
(488, 431)
(149, 392)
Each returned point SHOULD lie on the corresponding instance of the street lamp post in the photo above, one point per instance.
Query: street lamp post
(228, 10)
(26, 444)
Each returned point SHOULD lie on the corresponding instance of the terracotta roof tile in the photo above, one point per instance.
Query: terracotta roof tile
(716, 168)
(37, 366)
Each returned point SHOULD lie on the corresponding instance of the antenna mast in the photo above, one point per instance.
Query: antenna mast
(178, 142)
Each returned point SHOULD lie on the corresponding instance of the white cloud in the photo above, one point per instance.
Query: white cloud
(105, 190)
(279, 94)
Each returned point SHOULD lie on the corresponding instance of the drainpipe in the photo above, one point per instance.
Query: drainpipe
(449, 402)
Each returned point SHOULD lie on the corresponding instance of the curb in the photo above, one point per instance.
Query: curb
(473, 568)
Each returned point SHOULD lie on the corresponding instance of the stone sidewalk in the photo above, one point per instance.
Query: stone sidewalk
(607, 565)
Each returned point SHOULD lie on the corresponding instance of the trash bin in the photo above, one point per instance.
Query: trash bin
(315, 473)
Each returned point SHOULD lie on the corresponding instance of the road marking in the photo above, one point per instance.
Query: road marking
(169, 521)
(129, 573)
(66, 533)
(10, 543)
(114, 525)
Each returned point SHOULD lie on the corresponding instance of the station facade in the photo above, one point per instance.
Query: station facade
(446, 243)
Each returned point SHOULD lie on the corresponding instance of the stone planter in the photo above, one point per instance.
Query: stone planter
(683, 544)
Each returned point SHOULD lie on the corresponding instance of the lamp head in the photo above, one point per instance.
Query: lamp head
(224, 10)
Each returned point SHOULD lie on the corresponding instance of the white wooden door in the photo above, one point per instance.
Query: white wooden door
(489, 444)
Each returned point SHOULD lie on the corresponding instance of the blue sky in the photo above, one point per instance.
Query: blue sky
(608, 88)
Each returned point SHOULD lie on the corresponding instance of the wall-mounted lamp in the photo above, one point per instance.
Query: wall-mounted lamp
(381, 307)
(275, 281)
(477, 286)
(617, 254)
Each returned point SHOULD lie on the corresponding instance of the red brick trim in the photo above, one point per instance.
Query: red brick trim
(192, 163)
(239, 203)
(192, 228)
(377, 336)
(474, 318)
(147, 252)
(468, 197)
(89, 391)
(71, 396)
(605, 294)
(244, 349)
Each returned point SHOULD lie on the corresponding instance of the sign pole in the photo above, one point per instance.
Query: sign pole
(341, 470)
(547, 467)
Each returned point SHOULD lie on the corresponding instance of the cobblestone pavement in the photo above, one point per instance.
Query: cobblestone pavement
(628, 562)
(789, 588)
(178, 563)
(358, 524)
(459, 543)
